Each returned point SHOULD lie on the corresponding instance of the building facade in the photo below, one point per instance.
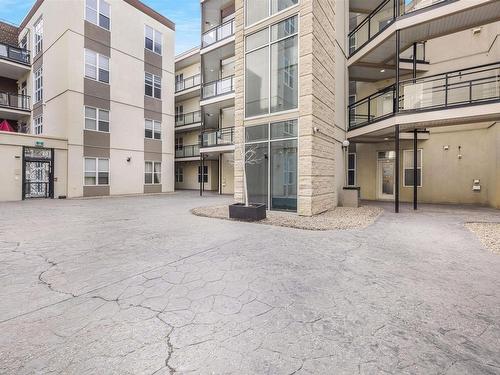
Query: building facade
(310, 87)
(95, 97)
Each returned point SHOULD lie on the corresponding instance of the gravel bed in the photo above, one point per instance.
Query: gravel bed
(488, 234)
(338, 218)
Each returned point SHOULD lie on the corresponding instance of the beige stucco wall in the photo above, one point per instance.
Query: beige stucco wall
(190, 172)
(227, 180)
(11, 155)
(446, 178)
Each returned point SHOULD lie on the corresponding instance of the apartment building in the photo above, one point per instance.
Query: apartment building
(88, 99)
(205, 104)
(310, 87)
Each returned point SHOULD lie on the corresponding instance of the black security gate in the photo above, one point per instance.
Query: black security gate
(38, 172)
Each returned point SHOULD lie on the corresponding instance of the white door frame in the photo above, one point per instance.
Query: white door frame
(380, 194)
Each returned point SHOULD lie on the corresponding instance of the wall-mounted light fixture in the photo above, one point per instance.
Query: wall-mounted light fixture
(128, 159)
(446, 147)
(460, 152)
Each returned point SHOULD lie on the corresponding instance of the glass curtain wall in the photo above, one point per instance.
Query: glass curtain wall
(271, 69)
(272, 168)
(257, 10)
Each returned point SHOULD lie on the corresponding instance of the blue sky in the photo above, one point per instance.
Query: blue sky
(185, 14)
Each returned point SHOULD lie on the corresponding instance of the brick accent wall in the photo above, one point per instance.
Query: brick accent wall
(9, 34)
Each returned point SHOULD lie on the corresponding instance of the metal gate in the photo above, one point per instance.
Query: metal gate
(38, 172)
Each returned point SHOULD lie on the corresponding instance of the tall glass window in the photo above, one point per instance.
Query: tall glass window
(257, 10)
(272, 176)
(271, 75)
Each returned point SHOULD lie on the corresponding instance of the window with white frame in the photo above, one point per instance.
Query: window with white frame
(152, 129)
(351, 169)
(38, 36)
(38, 84)
(257, 10)
(96, 119)
(96, 66)
(96, 171)
(152, 172)
(179, 174)
(408, 168)
(152, 85)
(98, 13)
(38, 125)
(153, 40)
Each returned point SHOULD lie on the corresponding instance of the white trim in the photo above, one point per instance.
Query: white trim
(97, 119)
(405, 151)
(152, 172)
(35, 125)
(40, 89)
(355, 169)
(154, 37)
(96, 171)
(98, 2)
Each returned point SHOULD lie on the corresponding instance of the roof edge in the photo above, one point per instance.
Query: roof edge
(135, 3)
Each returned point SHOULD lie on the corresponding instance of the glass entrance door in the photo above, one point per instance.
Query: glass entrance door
(386, 179)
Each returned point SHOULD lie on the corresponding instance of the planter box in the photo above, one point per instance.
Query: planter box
(254, 212)
(351, 196)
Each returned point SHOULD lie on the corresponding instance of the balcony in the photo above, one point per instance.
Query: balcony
(217, 34)
(373, 40)
(186, 119)
(14, 61)
(188, 151)
(14, 106)
(188, 83)
(15, 54)
(218, 88)
(218, 140)
(451, 90)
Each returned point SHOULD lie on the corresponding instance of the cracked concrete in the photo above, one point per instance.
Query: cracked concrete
(138, 285)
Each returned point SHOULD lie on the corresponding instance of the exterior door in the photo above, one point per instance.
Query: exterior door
(38, 176)
(385, 184)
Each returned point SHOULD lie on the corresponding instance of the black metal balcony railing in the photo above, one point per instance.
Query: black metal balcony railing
(381, 17)
(187, 151)
(407, 56)
(218, 137)
(15, 101)
(218, 87)
(218, 33)
(188, 118)
(188, 83)
(20, 55)
(471, 86)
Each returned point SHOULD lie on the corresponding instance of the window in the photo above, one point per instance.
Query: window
(38, 36)
(179, 174)
(38, 84)
(96, 119)
(96, 66)
(205, 174)
(38, 125)
(257, 10)
(271, 74)
(96, 171)
(152, 172)
(152, 85)
(408, 168)
(179, 142)
(97, 12)
(152, 129)
(274, 148)
(153, 40)
(351, 169)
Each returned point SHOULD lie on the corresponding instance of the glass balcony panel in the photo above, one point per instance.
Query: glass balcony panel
(218, 33)
(218, 137)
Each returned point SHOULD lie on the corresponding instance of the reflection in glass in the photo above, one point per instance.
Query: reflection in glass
(284, 175)
(257, 174)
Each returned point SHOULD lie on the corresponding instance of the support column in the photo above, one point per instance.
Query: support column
(201, 174)
(415, 170)
(396, 170)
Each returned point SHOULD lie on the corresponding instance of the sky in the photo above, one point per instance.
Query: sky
(185, 14)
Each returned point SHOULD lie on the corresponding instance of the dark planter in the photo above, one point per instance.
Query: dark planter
(254, 212)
